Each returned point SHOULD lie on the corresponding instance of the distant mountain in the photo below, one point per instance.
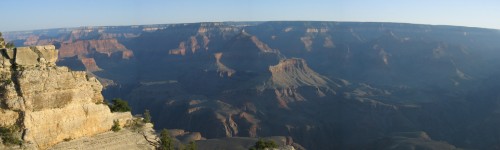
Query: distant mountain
(328, 85)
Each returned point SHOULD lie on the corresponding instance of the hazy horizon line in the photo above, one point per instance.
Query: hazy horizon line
(198, 22)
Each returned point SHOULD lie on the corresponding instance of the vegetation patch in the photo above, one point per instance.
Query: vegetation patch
(135, 124)
(147, 116)
(119, 105)
(9, 45)
(116, 126)
(191, 146)
(8, 137)
(7, 81)
(166, 142)
(264, 144)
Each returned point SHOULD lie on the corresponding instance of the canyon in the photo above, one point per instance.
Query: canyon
(322, 85)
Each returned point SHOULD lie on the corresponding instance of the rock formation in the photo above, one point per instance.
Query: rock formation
(293, 73)
(289, 75)
(222, 69)
(47, 103)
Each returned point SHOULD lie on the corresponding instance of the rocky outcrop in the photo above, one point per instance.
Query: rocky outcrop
(49, 103)
(222, 69)
(185, 136)
(291, 74)
(124, 139)
(179, 51)
(90, 64)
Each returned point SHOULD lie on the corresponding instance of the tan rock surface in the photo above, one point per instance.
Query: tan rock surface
(124, 139)
(8, 117)
(25, 56)
(50, 103)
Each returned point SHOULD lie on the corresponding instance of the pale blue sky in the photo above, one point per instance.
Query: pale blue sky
(42, 14)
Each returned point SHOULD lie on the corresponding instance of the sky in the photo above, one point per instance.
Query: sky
(42, 14)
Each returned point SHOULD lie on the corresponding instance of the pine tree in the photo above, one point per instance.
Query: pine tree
(147, 116)
(166, 141)
(191, 146)
(119, 105)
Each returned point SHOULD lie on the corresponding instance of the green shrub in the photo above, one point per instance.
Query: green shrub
(192, 146)
(147, 116)
(119, 105)
(135, 125)
(166, 142)
(103, 102)
(3, 44)
(7, 81)
(116, 126)
(10, 45)
(263, 144)
(8, 138)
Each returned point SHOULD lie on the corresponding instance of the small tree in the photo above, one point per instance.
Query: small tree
(192, 146)
(10, 45)
(5, 45)
(119, 105)
(116, 126)
(2, 41)
(165, 141)
(263, 144)
(147, 116)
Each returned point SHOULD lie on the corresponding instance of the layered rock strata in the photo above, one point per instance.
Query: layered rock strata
(47, 103)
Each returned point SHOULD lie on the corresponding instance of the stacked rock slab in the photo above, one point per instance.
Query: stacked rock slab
(49, 103)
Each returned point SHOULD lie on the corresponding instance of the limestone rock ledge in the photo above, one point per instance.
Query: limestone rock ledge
(124, 139)
(49, 103)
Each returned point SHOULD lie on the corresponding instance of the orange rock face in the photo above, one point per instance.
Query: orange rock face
(179, 51)
(222, 69)
(82, 48)
(194, 44)
(90, 64)
(262, 46)
(127, 54)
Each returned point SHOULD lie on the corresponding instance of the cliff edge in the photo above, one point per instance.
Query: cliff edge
(44, 104)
